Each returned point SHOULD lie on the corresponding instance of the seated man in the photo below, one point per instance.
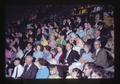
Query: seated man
(100, 55)
(18, 69)
(71, 55)
(30, 69)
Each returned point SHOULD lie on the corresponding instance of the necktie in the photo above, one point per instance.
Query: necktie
(16, 72)
(26, 66)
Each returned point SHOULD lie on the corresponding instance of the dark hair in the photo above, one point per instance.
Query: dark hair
(48, 48)
(70, 44)
(52, 66)
(43, 62)
(61, 46)
(17, 59)
(29, 43)
(41, 46)
(88, 45)
(108, 74)
(98, 70)
(90, 65)
(78, 71)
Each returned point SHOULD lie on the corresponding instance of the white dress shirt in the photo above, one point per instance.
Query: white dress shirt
(97, 51)
(67, 55)
(20, 71)
(77, 48)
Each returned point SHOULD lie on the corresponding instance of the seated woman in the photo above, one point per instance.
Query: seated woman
(54, 74)
(61, 40)
(75, 74)
(87, 55)
(46, 53)
(38, 52)
(59, 54)
(43, 72)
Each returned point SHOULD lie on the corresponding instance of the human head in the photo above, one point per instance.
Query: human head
(80, 28)
(86, 25)
(39, 31)
(87, 68)
(29, 45)
(28, 59)
(62, 36)
(53, 51)
(31, 39)
(68, 46)
(87, 47)
(97, 73)
(97, 16)
(47, 48)
(97, 33)
(97, 44)
(79, 42)
(76, 73)
(16, 61)
(42, 62)
(59, 48)
(53, 70)
(39, 47)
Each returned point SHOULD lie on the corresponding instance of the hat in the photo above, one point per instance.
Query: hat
(75, 65)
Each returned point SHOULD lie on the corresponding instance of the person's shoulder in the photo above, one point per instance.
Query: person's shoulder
(33, 65)
(73, 51)
(90, 53)
(20, 66)
(103, 50)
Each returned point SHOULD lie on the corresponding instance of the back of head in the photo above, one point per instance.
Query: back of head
(90, 65)
(43, 62)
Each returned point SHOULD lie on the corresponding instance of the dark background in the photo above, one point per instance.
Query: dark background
(12, 10)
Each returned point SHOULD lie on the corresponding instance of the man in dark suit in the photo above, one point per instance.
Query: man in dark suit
(99, 37)
(28, 50)
(30, 69)
(100, 55)
(70, 55)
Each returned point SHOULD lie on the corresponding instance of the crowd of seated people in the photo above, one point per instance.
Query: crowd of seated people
(80, 47)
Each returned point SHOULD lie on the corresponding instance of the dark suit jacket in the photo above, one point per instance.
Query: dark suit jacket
(29, 53)
(101, 58)
(30, 73)
(71, 57)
